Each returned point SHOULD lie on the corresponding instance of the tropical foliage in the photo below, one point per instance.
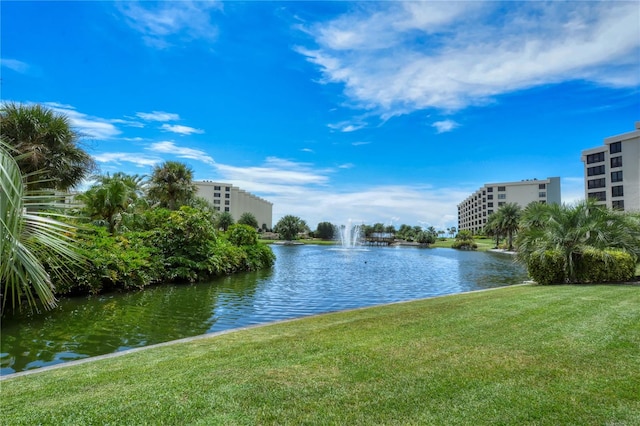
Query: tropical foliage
(30, 235)
(247, 218)
(464, 240)
(171, 185)
(45, 146)
(325, 230)
(289, 226)
(561, 243)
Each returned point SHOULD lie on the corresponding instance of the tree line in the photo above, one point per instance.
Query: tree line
(124, 232)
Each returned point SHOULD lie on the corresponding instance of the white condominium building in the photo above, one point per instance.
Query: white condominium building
(612, 171)
(228, 198)
(474, 211)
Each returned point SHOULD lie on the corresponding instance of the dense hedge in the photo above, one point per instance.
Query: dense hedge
(547, 267)
(591, 266)
(610, 265)
(178, 246)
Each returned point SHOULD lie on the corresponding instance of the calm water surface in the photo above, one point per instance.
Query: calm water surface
(305, 280)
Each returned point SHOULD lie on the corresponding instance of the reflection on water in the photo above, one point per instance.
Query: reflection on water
(305, 280)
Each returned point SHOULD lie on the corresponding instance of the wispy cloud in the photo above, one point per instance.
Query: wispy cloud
(306, 191)
(182, 130)
(276, 171)
(158, 116)
(164, 24)
(309, 150)
(347, 127)
(445, 126)
(86, 125)
(398, 57)
(360, 143)
(15, 65)
(169, 147)
(127, 157)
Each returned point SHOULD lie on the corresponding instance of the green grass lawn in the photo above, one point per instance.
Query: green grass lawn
(523, 355)
(484, 244)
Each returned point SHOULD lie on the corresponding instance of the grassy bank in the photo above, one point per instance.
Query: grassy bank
(543, 355)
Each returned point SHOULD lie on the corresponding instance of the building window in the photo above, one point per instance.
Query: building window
(502, 188)
(596, 183)
(490, 212)
(217, 208)
(502, 196)
(616, 176)
(216, 188)
(542, 194)
(617, 191)
(618, 205)
(501, 203)
(227, 195)
(542, 186)
(598, 196)
(216, 194)
(490, 197)
(226, 209)
(489, 204)
(616, 162)
(595, 171)
(595, 158)
(226, 202)
(490, 189)
(227, 188)
(216, 201)
(615, 147)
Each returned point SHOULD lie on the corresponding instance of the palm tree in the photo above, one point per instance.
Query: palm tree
(509, 218)
(111, 196)
(493, 227)
(44, 142)
(289, 226)
(569, 231)
(26, 238)
(225, 221)
(248, 219)
(171, 185)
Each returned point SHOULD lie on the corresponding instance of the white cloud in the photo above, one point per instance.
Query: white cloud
(88, 126)
(445, 126)
(360, 143)
(127, 157)
(168, 147)
(309, 150)
(164, 24)
(302, 190)
(398, 57)
(347, 127)
(182, 130)
(158, 116)
(15, 65)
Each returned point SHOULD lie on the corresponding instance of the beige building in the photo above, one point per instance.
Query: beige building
(474, 211)
(228, 198)
(612, 171)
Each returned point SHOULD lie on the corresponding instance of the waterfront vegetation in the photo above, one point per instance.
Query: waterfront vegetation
(125, 232)
(529, 354)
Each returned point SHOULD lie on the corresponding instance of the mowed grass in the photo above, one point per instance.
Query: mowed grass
(523, 355)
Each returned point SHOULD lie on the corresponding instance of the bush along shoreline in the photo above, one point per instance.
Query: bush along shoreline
(180, 246)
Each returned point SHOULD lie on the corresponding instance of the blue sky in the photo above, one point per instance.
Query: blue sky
(389, 112)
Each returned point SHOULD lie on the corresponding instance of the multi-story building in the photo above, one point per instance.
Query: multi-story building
(228, 198)
(474, 211)
(612, 171)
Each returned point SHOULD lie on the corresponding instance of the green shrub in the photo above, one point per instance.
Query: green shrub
(242, 235)
(547, 267)
(464, 245)
(112, 262)
(601, 266)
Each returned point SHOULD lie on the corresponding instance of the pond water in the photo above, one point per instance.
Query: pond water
(305, 280)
